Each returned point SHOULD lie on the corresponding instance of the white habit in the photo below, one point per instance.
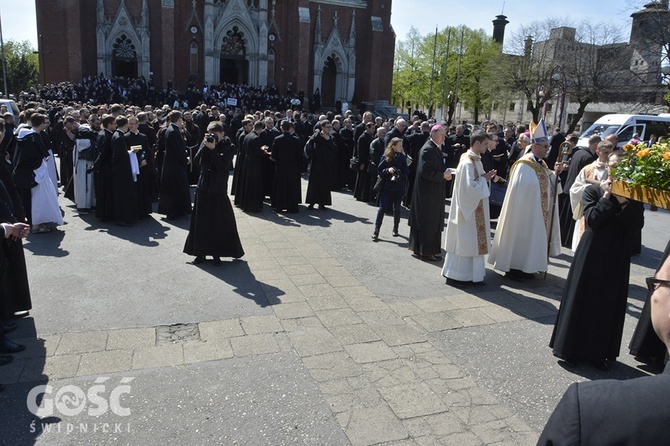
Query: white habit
(521, 237)
(467, 237)
(84, 189)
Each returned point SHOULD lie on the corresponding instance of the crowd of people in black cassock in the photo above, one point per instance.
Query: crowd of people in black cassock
(145, 155)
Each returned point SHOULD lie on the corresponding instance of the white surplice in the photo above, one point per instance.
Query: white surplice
(44, 199)
(597, 170)
(520, 241)
(468, 231)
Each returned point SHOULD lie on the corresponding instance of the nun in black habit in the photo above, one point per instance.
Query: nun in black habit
(213, 230)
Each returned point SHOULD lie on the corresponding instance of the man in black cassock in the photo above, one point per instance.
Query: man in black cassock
(252, 184)
(104, 196)
(125, 198)
(138, 142)
(362, 186)
(590, 319)
(627, 412)
(287, 153)
(320, 149)
(268, 135)
(174, 198)
(213, 230)
(240, 159)
(416, 142)
(581, 157)
(426, 217)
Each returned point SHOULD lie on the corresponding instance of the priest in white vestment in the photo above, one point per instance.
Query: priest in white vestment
(592, 173)
(521, 242)
(467, 239)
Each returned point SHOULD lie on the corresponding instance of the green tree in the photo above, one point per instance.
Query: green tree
(22, 66)
(414, 87)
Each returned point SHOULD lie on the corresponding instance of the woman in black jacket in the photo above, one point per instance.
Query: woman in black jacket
(213, 229)
(393, 172)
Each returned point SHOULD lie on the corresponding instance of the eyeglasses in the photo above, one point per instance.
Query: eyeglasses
(653, 283)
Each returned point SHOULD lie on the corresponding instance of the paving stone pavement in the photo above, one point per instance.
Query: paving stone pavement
(377, 352)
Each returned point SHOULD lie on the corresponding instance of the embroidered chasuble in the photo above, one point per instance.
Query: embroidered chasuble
(522, 234)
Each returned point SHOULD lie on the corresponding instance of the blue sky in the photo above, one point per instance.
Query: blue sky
(426, 14)
(18, 16)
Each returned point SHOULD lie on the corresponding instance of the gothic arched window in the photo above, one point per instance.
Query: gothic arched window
(234, 44)
(123, 48)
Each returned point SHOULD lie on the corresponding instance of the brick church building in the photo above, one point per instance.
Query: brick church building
(345, 48)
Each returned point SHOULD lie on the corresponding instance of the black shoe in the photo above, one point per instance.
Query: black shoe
(375, 235)
(515, 275)
(6, 359)
(10, 326)
(311, 206)
(8, 347)
(458, 283)
(20, 314)
(434, 258)
(198, 260)
(395, 232)
(217, 261)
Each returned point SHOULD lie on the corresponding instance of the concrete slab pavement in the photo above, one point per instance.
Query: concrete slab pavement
(366, 342)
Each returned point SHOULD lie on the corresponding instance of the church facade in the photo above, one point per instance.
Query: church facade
(344, 48)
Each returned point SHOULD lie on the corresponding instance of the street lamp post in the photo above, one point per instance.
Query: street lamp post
(4, 61)
(558, 73)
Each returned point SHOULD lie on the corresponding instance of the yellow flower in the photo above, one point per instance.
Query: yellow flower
(642, 153)
(629, 147)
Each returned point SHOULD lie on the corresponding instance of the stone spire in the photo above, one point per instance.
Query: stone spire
(317, 31)
(352, 31)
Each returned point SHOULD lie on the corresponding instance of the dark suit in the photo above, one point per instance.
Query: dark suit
(609, 412)
(253, 189)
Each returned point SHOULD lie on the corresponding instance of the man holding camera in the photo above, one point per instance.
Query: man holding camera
(213, 230)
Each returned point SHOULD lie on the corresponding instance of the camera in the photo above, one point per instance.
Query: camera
(396, 176)
(210, 137)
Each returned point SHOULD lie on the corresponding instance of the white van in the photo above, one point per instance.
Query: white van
(624, 126)
(12, 108)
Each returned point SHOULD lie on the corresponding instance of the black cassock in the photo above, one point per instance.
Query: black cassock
(239, 163)
(14, 291)
(174, 199)
(362, 186)
(104, 183)
(252, 178)
(144, 187)
(287, 153)
(426, 216)
(213, 229)
(322, 153)
(125, 198)
(590, 319)
(645, 343)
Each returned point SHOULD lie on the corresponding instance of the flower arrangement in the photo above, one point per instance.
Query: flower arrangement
(645, 166)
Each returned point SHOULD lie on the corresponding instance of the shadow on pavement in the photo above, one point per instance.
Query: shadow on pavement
(46, 244)
(18, 425)
(238, 274)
